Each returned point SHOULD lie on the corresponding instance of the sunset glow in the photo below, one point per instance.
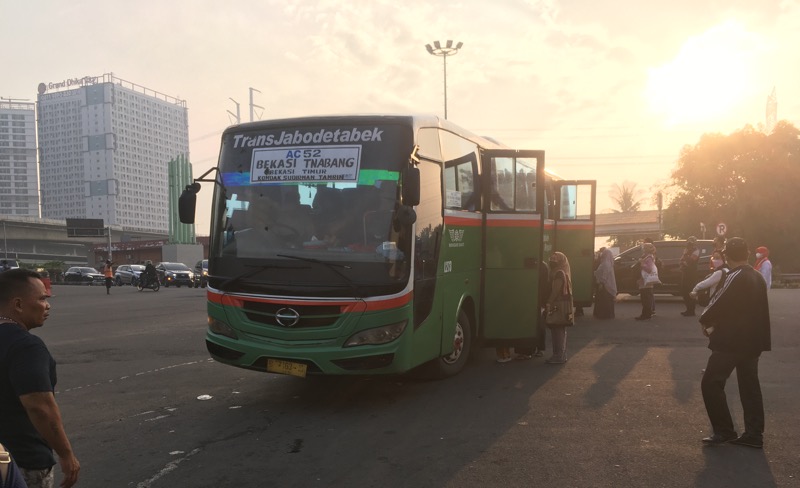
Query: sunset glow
(711, 74)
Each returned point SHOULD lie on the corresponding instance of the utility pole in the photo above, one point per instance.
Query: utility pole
(109, 242)
(772, 110)
(236, 115)
(252, 105)
(660, 216)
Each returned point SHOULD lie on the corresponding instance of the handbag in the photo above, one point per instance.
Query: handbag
(650, 278)
(560, 314)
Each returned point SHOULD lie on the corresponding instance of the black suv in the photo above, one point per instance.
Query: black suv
(627, 273)
(201, 273)
(174, 274)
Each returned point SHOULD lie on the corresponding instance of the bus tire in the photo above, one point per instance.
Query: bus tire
(453, 363)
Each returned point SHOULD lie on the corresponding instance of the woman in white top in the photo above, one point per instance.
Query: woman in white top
(712, 281)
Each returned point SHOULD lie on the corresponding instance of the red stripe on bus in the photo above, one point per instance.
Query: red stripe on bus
(462, 221)
(390, 303)
(512, 223)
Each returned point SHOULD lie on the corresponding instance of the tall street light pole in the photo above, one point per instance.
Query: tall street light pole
(447, 50)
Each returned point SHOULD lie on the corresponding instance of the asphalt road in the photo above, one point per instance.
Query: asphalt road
(624, 411)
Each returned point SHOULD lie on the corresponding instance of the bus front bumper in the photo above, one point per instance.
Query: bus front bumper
(378, 360)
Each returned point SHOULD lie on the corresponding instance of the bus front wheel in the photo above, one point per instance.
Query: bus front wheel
(453, 363)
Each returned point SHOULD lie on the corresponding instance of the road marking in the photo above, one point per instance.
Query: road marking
(142, 373)
(169, 467)
(156, 418)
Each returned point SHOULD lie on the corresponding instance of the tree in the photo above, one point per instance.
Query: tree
(626, 196)
(750, 181)
(628, 199)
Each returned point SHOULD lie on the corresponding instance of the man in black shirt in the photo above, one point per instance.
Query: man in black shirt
(30, 420)
(738, 327)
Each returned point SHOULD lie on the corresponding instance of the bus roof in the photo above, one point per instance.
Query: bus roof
(415, 121)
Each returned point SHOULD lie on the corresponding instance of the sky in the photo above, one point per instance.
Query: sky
(610, 90)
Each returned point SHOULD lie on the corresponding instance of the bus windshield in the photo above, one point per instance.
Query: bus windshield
(321, 201)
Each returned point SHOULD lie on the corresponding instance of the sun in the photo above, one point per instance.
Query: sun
(712, 73)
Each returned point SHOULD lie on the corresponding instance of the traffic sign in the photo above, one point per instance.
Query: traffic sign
(722, 229)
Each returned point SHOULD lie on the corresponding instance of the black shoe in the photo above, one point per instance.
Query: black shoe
(718, 439)
(687, 313)
(749, 441)
(641, 318)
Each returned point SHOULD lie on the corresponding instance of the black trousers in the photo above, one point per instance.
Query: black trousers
(718, 370)
(647, 297)
(687, 285)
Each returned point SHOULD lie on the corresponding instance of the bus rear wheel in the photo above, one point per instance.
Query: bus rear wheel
(453, 363)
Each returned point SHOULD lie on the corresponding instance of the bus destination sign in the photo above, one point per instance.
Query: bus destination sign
(306, 163)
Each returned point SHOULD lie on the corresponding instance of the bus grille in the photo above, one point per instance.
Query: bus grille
(309, 315)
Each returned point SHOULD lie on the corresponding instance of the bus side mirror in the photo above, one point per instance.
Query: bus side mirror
(404, 216)
(411, 186)
(187, 203)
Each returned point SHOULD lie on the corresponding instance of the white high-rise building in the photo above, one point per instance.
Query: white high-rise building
(104, 149)
(19, 182)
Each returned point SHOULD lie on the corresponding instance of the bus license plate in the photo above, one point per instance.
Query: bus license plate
(286, 367)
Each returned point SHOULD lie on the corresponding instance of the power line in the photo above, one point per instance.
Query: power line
(613, 157)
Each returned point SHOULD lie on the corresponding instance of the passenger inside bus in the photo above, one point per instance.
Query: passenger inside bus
(355, 218)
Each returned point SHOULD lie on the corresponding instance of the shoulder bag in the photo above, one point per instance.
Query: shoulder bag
(561, 313)
(650, 278)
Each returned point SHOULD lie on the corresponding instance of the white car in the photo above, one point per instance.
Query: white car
(128, 274)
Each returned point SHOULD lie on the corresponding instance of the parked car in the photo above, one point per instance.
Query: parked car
(128, 274)
(201, 273)
(627, 273)
(174, 274)
(8, 264)
(84, 275)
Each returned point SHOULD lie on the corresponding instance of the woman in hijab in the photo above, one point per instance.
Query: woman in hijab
(561, 289)
(606, 286)
(764, 265)
(647, 263)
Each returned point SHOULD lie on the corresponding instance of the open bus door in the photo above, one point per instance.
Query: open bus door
(512, 251)
(574, 234)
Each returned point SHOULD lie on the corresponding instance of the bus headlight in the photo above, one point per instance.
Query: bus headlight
(221, 328)
(378, 335)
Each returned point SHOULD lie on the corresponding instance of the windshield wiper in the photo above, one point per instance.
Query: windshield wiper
(249, 273)
(331, 266)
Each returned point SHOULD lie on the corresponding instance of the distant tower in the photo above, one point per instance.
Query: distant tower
(772, 111)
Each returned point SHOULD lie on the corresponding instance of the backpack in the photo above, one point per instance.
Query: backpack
(704, 296)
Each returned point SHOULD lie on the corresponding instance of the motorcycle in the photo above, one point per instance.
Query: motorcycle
(152, 284)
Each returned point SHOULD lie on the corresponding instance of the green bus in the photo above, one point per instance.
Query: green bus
(377, 244)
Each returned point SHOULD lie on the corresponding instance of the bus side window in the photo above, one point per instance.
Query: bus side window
(461, 184)
(525, 185)
(502, 184)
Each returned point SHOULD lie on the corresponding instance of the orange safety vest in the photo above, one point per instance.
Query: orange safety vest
(107, 271)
